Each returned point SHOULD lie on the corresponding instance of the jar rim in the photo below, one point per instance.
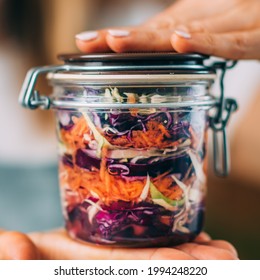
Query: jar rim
(172, 78)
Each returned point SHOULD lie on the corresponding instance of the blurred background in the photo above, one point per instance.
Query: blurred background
(32, 33)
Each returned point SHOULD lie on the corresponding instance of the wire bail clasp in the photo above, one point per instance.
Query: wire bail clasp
(31, 98)
(218, 123)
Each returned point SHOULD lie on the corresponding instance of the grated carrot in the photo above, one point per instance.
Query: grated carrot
(168, 188)
(110, 188)
(156, 135)
(74, 138)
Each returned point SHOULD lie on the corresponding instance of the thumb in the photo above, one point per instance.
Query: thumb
(17, 246)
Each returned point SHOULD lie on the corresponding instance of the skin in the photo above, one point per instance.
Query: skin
(228, 29)
(17, 246)
(56, 245)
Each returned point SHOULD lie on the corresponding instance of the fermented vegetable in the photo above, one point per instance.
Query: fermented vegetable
(133, 177)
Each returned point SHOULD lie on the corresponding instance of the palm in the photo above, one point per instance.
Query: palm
(57, 245)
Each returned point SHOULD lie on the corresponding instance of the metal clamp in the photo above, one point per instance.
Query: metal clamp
(219, 122)
(29, 97)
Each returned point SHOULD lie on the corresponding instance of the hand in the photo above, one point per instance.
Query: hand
(57, 245)
(17, 246)
(229, 29)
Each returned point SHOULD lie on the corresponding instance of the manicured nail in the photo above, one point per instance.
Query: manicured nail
(87, 36)
(182, 33)
(118, 33)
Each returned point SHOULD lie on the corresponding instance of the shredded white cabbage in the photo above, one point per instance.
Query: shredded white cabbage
(92, 210)
(179, 222)
(145, 190)
(95, 204)
(99, 138)
(185, 190)
(107, 93)
(116, 95)
(158, 99)
(197, 166)
(180, 184)
(135, 159)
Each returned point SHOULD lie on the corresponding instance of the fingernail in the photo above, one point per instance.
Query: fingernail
(118, 33)
(182, 33)
(87, 36)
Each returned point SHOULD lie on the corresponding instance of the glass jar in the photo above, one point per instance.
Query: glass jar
(132, 139)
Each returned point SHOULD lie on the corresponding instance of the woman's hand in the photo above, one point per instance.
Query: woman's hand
(229, 29)
(57, 245)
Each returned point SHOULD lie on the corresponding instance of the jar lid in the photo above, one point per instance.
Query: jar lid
(152, 62)
(101, 68)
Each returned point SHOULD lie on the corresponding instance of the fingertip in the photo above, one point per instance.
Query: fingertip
(92, 44)
(181, 44)
(117, 45)
(81, 45)
(118, 39)
(92, 47)
(202, 237)
(17, 246)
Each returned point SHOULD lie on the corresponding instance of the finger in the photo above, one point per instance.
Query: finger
(235, 45)
(127, 40)
(139, 39)
(92, 41)
(205, 252)
(57, 245)
(202, 237)
(17, 246)
(222, 244)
